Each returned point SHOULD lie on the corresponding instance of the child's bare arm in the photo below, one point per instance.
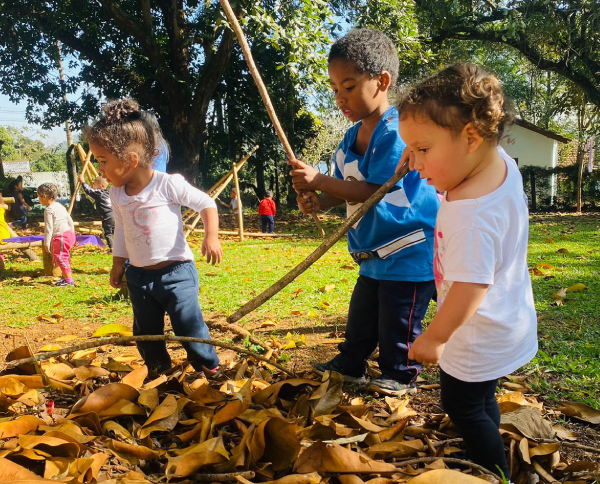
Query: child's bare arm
(305, 177)
(460, 304)
(211, 246)
(117, 271)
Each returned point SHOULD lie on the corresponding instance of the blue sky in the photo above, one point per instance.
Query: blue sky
(14, 115)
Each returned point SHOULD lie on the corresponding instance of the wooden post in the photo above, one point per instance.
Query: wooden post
(262, 90)
(240, 214)
(49, 269)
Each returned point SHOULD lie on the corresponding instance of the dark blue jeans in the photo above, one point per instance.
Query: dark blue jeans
(474, 411)
(267, 222)
(174, 290)
(388, 313)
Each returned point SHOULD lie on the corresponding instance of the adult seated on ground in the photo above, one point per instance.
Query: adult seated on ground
(19, 209)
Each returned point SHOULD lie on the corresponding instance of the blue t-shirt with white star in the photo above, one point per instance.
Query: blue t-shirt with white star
(394, 239)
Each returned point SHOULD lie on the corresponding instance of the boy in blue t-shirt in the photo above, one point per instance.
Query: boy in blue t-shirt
(393, 242)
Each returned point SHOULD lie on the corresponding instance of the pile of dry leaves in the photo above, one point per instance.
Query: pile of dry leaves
(84, 419)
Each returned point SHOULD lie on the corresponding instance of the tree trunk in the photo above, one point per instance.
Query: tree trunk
(185, 155)
(580, 162)
(259, 166)
(71, 169)
(277, 194)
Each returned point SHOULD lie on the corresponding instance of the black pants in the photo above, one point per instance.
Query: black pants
(388, 313)
(108, 225)
(174, 290)
(473, 409)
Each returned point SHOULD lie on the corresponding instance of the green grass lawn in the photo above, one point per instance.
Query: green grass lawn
(567, 366)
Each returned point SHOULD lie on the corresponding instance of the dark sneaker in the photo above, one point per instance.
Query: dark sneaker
(62, 283)
(333, 365)
(393, 388)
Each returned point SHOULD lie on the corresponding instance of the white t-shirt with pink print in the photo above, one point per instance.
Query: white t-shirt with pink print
(149, 226)
(484, 241)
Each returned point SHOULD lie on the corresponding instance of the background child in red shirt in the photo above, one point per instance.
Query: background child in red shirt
(267, 210)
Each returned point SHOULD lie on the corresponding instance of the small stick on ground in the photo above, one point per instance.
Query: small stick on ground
(317, 253)
(229, 476)
(234, 328)
(121, 340)
(572, 445)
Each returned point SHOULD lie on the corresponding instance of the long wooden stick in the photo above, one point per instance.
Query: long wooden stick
(92, 173)
(319, 251)
(240, 214)
(237, 28)
(78, 184)
(121, 340)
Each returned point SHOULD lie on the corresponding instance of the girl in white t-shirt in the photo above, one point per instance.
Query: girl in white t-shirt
(485, 327)
(161, 274)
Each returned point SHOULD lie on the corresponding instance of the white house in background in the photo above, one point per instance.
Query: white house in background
(530, 145)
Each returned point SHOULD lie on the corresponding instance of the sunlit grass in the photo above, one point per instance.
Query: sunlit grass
(567, 366)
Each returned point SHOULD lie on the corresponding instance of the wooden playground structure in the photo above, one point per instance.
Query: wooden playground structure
(190, 217)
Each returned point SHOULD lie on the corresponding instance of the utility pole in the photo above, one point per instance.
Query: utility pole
(71, 167)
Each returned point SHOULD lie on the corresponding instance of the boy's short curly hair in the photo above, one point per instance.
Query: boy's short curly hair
(49, 190)
(370, 50)
(458, 95)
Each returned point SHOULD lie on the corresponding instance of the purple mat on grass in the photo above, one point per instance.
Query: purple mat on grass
(79, 239)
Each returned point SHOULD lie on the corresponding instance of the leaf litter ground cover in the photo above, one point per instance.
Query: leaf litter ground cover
(89, 419)
(300, 325)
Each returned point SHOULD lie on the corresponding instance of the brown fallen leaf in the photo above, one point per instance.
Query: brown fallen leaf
(19, 426)
(445, 476)
(580, 411)
(324, 458)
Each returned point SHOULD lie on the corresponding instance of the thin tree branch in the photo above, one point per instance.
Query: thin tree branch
(228, 476)
(147, 43)
(121, 340)
(212, 72)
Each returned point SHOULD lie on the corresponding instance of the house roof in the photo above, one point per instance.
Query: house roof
(542, 131)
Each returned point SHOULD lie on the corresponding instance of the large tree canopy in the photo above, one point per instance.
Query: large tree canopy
(555, 35)
(170, 55)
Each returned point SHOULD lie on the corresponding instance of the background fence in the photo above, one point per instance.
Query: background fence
(537, 183)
